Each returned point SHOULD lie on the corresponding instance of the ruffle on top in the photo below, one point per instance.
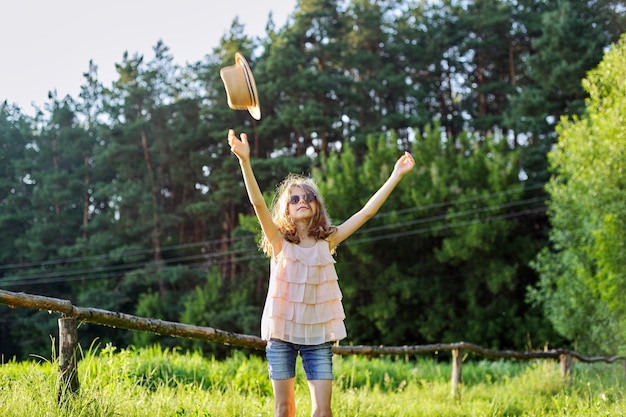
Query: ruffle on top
(303, 304)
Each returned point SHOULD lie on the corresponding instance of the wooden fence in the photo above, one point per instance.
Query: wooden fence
(71, 315)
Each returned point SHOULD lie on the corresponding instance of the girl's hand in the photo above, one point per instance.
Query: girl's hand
(404, 164)
(241, 148)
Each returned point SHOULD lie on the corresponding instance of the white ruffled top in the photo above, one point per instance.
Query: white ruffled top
(303, 304)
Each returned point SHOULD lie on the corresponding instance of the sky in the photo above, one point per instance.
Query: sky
(46, 45)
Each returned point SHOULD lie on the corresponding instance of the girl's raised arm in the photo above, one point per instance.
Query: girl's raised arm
(241, 149)
(403, 165)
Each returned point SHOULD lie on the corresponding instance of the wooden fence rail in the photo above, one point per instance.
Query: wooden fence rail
(72, 315)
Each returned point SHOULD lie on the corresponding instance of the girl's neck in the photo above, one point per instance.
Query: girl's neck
(303, 233)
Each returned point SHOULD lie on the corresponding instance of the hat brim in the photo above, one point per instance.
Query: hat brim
(255, 109)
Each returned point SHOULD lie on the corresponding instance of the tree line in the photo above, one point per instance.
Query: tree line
(127, 198)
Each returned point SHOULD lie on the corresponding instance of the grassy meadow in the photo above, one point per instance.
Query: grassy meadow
(158, 383)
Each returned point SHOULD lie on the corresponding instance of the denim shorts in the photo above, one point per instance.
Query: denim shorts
(316, 359)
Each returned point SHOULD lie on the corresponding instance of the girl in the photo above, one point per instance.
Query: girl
(303, 312)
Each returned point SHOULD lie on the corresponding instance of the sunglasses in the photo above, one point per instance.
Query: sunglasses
(295, 199)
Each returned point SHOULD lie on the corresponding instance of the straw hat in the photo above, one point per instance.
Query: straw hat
(240, 87)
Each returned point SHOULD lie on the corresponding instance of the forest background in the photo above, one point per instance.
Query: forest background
(127, 198)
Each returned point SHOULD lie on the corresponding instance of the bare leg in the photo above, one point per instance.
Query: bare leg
(321, 392)
(284, 397)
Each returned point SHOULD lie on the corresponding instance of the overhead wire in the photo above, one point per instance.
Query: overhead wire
(229, 253)
(62, 276)
(227, 256)
(168, 248)
(110, 255)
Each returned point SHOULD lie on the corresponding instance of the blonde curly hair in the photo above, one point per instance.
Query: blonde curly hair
(319, 226)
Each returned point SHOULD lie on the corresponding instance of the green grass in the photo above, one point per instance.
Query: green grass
(155, 382)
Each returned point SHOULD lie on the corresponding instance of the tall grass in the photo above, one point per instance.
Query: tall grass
(155, 382)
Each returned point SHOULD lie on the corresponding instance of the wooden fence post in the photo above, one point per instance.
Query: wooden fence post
(457, 377)
(68, 342)
(566, 366)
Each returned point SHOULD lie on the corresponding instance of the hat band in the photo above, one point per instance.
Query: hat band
(249, 84)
